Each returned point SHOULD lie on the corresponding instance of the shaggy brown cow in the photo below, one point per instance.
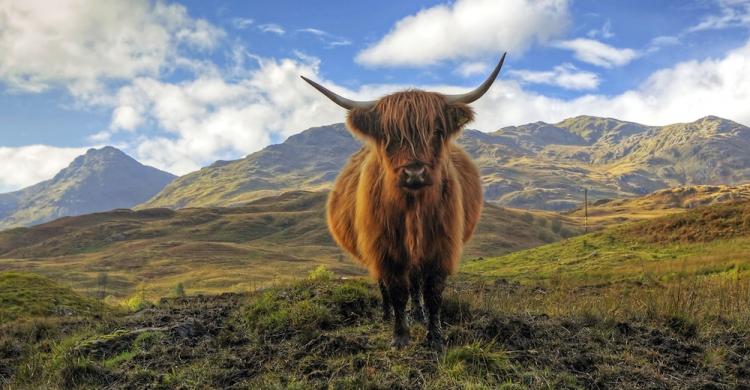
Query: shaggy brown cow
(405, 204)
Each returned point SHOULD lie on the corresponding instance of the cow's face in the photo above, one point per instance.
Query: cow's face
(410, 131)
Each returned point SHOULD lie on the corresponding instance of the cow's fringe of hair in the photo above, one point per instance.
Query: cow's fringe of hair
(412, 117)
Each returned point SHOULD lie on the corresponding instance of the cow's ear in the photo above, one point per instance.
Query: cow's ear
(460, 114)
(364, 123)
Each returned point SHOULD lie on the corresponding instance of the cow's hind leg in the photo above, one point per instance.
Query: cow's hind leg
(434, 284)
(387, 309)
(398, 291)
(415, 290)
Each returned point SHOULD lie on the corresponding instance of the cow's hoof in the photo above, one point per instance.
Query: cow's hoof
(435, 343)
(399, 342)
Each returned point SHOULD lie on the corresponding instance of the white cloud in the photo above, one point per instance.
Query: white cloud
(733, 13)
(126, 118)
(329, 39)
(565, 76)
(598, 53)
(78, 44)
(468, 69)
(27, 165)
(681, 93)
(466, 29)
(272, 28)
(212, 118)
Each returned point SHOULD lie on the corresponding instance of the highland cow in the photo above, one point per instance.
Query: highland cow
(405, 203)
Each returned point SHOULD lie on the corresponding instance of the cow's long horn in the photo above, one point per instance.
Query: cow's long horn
(338, 99)
(479, 91)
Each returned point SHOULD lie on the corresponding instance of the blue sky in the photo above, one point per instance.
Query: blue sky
(180, 84)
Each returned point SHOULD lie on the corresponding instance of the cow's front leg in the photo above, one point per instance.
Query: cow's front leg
(434, 284)
(415, 290)
(398, 291)
(387, 310)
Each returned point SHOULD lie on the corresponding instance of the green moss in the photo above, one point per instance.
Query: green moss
(31, 295)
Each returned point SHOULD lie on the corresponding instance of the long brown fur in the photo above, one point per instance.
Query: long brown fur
(391, 230)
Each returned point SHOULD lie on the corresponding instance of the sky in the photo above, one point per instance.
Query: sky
(180, 84)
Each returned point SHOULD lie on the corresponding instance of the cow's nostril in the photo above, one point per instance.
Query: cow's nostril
(414, 171)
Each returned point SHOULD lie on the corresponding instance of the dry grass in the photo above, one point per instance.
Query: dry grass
(212, 250)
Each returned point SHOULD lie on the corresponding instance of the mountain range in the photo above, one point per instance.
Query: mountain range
(102, 179)
(534, 166)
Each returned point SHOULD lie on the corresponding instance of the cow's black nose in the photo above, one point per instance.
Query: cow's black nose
(414, 176)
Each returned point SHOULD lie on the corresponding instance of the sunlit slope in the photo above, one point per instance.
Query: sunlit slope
(606, 212)
(705, 241)
(223, 249)
(24, 295)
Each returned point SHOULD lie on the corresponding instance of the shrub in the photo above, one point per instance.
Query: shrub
(321, 274)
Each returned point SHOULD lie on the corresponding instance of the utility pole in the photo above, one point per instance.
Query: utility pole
(585, 210)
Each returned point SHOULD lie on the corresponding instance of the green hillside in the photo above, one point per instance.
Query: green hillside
(605, 212)
(24, 295)
(223, 249)
(712, 240)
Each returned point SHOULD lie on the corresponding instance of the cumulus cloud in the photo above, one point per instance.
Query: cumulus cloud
(211, 117)
(78, 44)
(681, 93)
(598, 53)
(565, 76)
(467, 28)
(27, 165)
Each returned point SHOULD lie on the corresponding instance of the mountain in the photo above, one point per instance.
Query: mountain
(102, 179)
(306, 161)
(537, 165)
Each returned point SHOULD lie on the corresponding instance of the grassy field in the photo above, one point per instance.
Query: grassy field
(213, 250)
(663, 303)
(706, 241)
(323, 332)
